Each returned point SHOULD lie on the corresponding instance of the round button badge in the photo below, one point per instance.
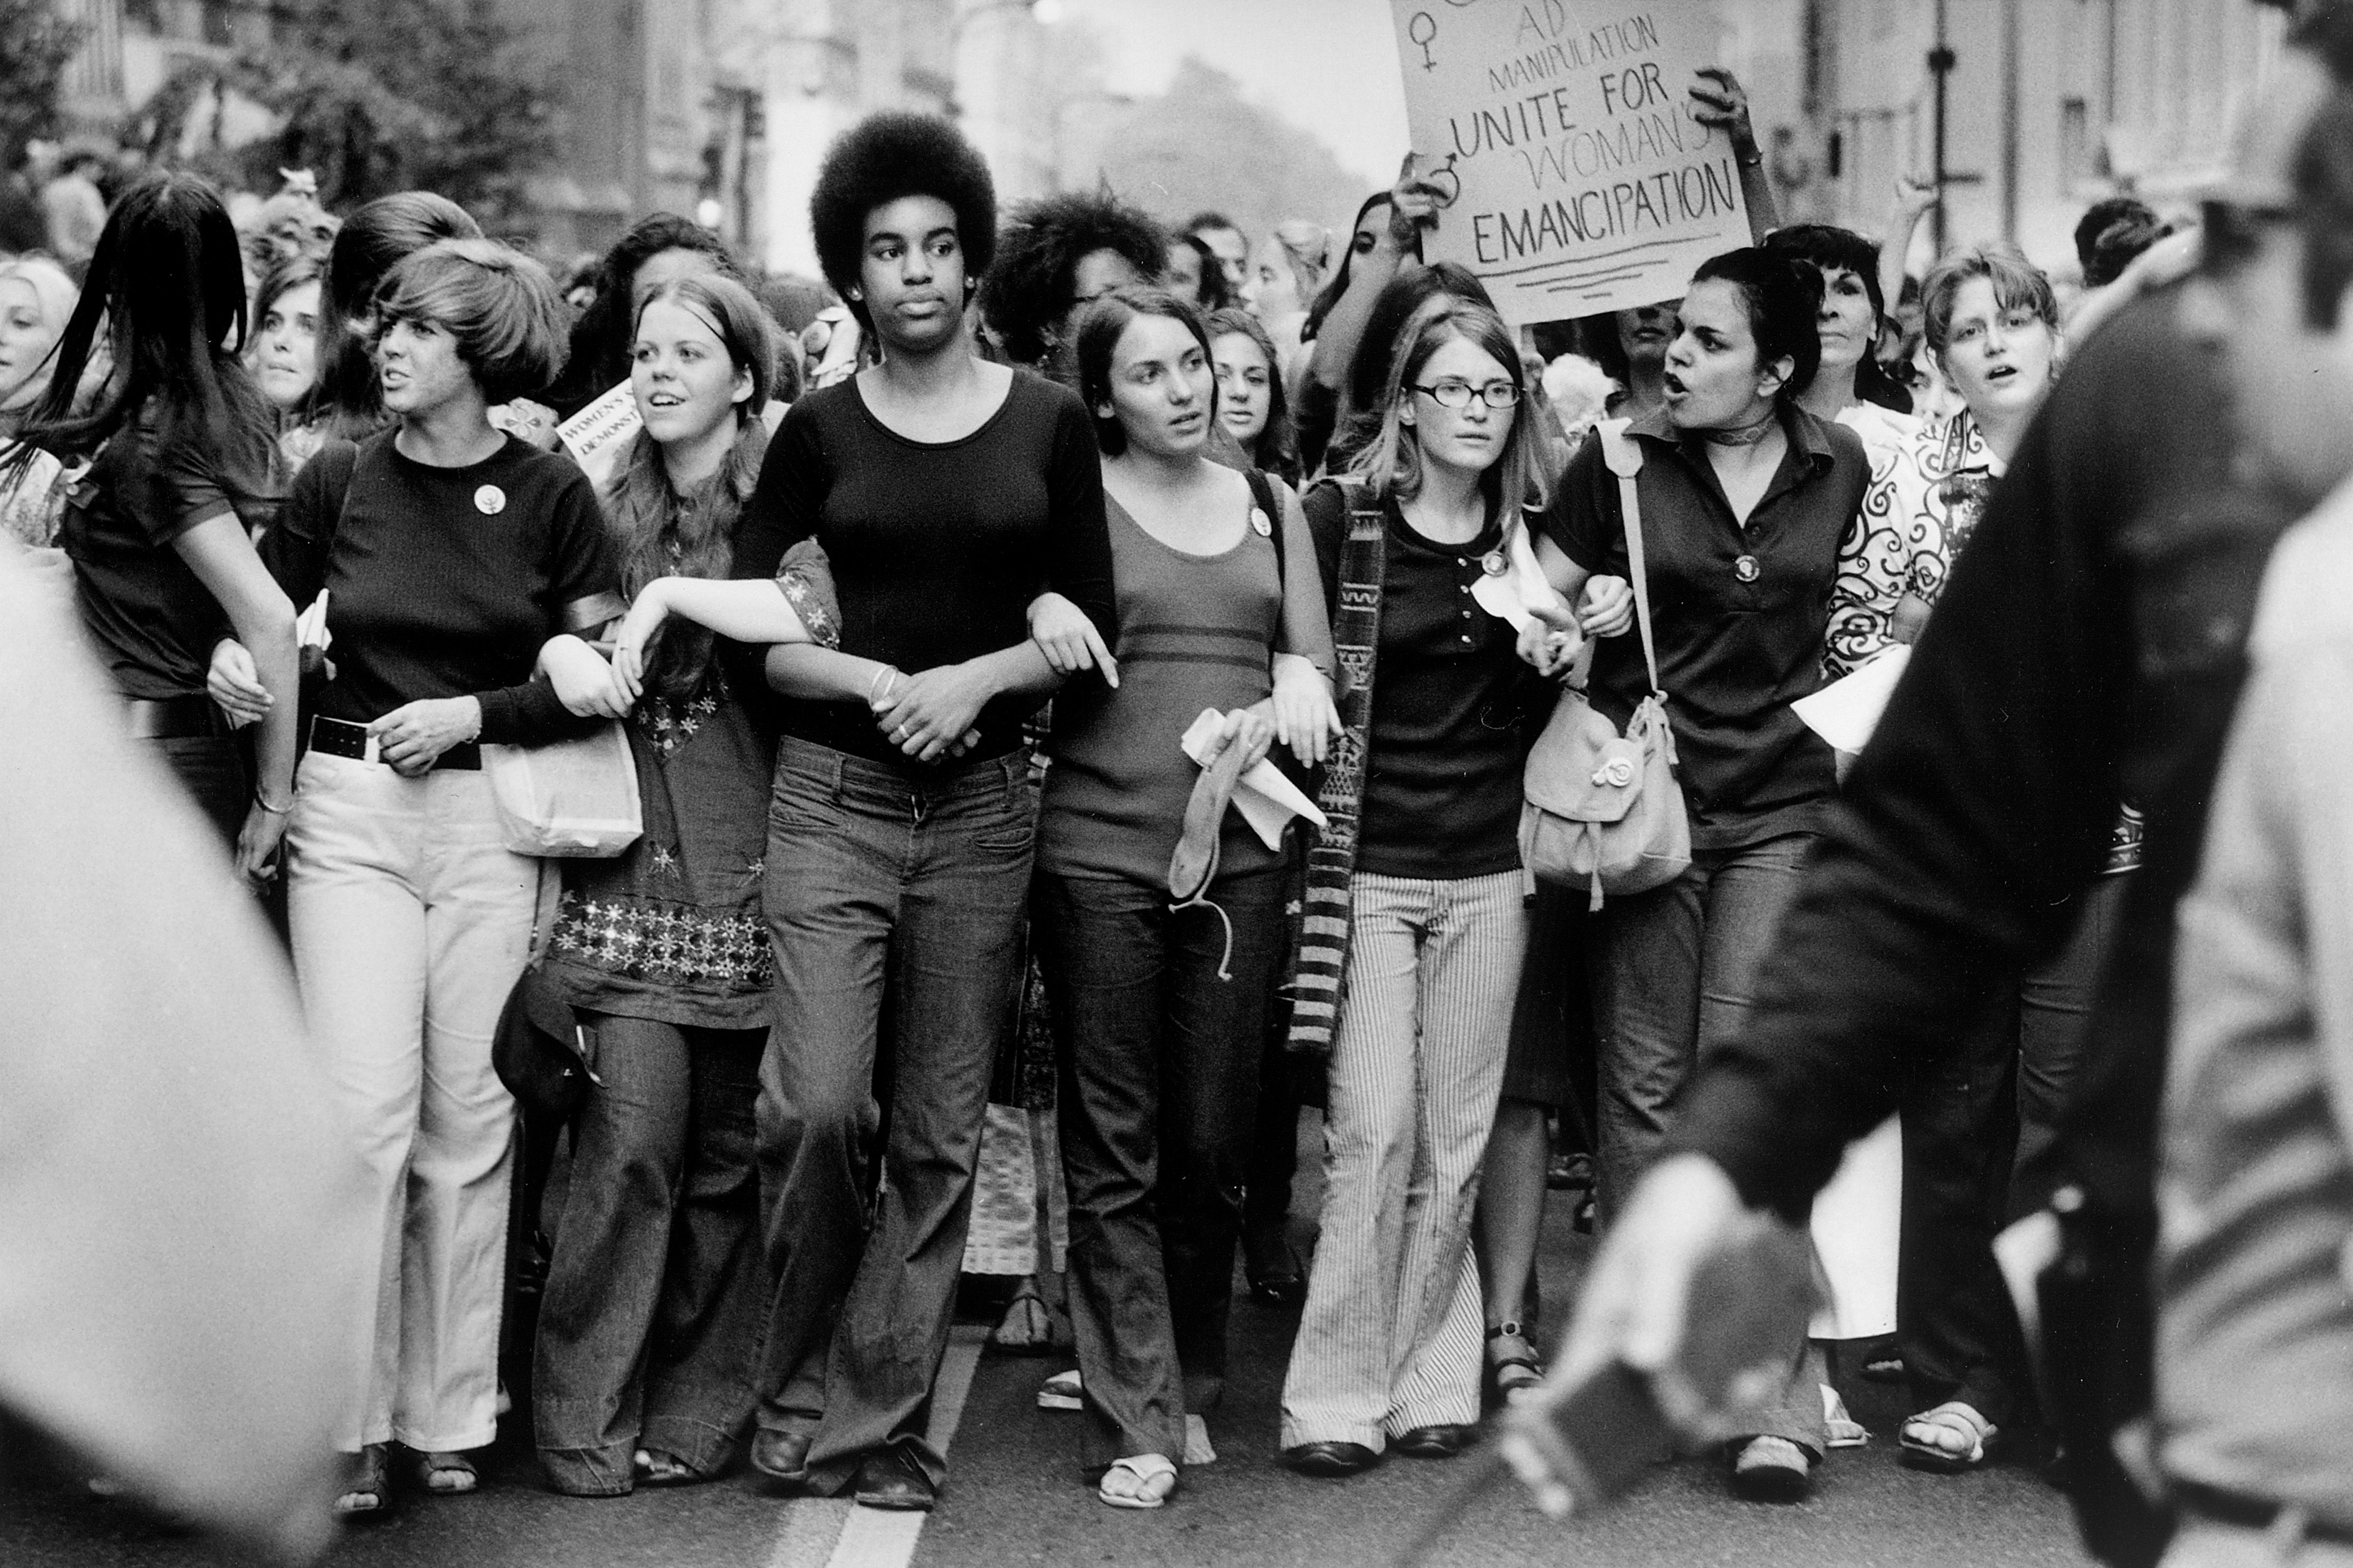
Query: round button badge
(1259, 525)
(1493, 564)
(489, 501)
(1746, 569)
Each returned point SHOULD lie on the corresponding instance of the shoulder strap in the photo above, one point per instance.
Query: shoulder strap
(1624, 455)
(1263, 495)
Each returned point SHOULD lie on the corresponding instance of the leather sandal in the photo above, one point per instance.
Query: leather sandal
(656, 1468)
(446, 1474)
(1954, 1418)
(369, 1488)
(1140, 1481)
(1515, 1371)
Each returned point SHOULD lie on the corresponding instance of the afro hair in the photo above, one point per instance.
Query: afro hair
(880, 160)
(1035, 282)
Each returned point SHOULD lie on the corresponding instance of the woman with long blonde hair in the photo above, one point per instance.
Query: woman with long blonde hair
(1415, 940)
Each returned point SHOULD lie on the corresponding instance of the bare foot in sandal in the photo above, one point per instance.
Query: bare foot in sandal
(1140, 1481)
(447, 1474)
(1950, 1438)
(366, 1488)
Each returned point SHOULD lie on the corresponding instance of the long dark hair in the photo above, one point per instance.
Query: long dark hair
(660, 531)
(1277, 447)
(599, 355)
(347, 401)
(1338, 284)
(168, 278)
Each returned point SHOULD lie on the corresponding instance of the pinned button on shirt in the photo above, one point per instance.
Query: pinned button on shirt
(1746, 569)
(489, 501)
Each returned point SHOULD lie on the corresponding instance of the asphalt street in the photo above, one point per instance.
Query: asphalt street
(1015, 1496)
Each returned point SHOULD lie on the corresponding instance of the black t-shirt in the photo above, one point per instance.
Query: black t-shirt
(937, 548)
(1451, 707)
(1740, 612)
(445, 582)
(151, 619)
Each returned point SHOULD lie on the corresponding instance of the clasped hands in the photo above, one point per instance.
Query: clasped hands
(1605, 608)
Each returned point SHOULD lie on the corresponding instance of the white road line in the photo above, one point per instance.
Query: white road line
(872, 1538)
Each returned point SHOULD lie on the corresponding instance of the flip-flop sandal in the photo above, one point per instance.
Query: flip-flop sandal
(1194, 865)
(1028, 1326)
(1839, 1427)
(1063, 1390)
(447, 1475)
(654, 1468)
(1952, 1417)
(1149, 1478)
(1513, 1368)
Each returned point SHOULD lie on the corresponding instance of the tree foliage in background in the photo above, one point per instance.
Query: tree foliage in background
(36, 42)
(375, 96)
(1202, 144)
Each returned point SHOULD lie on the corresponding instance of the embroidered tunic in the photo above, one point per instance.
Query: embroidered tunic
(671, 928)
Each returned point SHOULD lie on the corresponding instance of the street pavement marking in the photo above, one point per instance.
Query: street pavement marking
(870, 1537)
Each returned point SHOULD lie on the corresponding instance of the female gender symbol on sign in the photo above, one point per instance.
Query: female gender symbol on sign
(1421, 30)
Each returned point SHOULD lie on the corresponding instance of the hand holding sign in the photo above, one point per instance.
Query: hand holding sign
(1414, 204)
(1722, 104)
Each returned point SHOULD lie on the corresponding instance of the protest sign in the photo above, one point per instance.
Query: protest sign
(1561, 135)
(598, 436)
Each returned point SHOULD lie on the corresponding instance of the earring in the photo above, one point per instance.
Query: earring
(858, 293)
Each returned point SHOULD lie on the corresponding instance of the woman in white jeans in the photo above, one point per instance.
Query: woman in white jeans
(1388, 1349)
(449, 555)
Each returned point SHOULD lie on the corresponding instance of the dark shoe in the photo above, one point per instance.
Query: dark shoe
(781, 1457)
(1772, 1470)
(1330, 1459)
(887, 1478)
(1273, 1268)
(1440, 1442)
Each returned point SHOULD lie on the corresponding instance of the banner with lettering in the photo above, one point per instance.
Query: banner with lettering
(1562, 133)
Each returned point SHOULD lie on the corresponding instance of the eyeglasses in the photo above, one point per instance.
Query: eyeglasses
(1453, 393)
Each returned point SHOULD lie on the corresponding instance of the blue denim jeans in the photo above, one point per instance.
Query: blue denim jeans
(1157, 1077)
(921, 875)
(1675, 975)
(655, 1294)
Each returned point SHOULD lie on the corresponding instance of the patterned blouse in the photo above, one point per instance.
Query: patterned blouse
(1919, 510)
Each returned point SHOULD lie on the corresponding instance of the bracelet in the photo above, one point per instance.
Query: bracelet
(892, 671)
(262, 801)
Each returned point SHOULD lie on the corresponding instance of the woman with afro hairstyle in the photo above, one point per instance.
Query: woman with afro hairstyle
(949, 495)
(1058, 254)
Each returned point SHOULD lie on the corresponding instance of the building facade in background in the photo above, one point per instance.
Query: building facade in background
(2047, 105)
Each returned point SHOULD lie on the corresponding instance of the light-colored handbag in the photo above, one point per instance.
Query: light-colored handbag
(1604, 810)
(575, 798)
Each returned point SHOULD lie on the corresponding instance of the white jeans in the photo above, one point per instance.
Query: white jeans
(410, 925)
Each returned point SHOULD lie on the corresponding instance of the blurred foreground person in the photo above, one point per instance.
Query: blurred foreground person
(2254, 1342)
(2090, 642)
(178, 1201)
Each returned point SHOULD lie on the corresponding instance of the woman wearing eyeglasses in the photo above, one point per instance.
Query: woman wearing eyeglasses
(1419, 943)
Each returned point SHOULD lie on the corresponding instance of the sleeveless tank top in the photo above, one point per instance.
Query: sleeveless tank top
(1195, 632)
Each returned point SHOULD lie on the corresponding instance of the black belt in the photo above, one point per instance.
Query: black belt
(342, 738)
(2247, 1512)
(173, 718)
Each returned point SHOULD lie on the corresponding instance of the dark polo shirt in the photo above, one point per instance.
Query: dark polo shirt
(1739, 613)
